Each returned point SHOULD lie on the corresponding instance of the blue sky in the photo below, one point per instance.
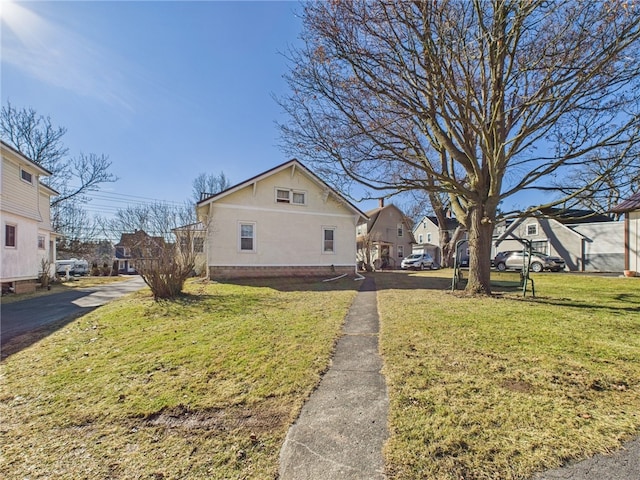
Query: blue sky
(166, 89)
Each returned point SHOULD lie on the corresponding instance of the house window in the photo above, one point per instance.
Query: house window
(400, 251)
(428, 238)
(298, 198)
(41, 242)
(294, 197)
(247, 237)
(328, 240)
(282, 196)
(540, 246)
(198, 245)
(10, 236)
(420, 238)
(26, 176)
(400, 230)
(532, 229)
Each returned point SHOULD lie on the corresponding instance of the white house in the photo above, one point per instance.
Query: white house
(427, 235)
(631, 209)
(283, 222)
(27, 234)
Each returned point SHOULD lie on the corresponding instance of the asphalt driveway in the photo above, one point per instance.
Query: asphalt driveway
(33, 314)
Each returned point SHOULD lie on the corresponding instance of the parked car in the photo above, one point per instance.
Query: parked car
(417, 261)
(75, 266)
(515, 260)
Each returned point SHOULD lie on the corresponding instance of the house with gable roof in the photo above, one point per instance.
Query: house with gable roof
(283, 222)
(386, 236)
(28, 237)
(585, 240)
(133, 246)
(631, 209)
(427, 235)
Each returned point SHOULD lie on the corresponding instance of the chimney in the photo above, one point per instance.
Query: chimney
(381, 202)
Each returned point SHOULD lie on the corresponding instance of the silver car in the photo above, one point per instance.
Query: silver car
(514, 260)
(417, 261)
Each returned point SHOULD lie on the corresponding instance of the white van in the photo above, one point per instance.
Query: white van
(75, 267)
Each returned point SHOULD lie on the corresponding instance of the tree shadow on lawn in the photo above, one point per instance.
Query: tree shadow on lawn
(384, 280)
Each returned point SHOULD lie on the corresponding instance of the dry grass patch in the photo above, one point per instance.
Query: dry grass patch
(499, 388)
(204, 387)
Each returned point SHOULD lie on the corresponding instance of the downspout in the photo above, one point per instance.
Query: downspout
(627, 241)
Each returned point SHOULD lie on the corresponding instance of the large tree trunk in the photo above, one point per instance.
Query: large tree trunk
(480, 237)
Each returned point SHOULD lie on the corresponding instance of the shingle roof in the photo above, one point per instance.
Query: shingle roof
(631, 203)
(574, 215)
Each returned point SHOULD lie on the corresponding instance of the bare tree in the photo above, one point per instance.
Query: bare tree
(157, 219)
(161, 247)
(366, 251)
(611, 189)
(35, 137)
(479, 99)
(208, 184)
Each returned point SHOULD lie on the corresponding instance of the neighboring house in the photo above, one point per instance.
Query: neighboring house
(631, 210)
(283, 222)
(192, 237)
(427, 235)
(585, 241)
(386, 235)
(28, 238)
(136, 245)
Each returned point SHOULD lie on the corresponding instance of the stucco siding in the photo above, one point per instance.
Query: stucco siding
(285, 235)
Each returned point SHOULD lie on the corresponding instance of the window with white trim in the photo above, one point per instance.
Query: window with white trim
(420, 238)
(294, 197)
(26, 176)
(10, 235)
(247, 237)
(41, 242)
(532, 229)
(400, 230)
(400, 251)
(328, 240)
(428, 238)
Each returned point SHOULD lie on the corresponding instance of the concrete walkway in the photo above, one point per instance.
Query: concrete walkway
(343, 425)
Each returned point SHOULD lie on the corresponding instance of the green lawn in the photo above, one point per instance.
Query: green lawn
(202, 388)
(497, 388)
(206, 387)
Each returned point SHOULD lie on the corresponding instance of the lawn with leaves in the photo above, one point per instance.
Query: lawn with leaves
(498, 388)
(204, 387)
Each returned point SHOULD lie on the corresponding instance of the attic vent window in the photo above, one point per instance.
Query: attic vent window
(26, 176)
(294, 197)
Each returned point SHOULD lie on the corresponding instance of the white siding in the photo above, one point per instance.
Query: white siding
(25, 205)
(634, 240)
